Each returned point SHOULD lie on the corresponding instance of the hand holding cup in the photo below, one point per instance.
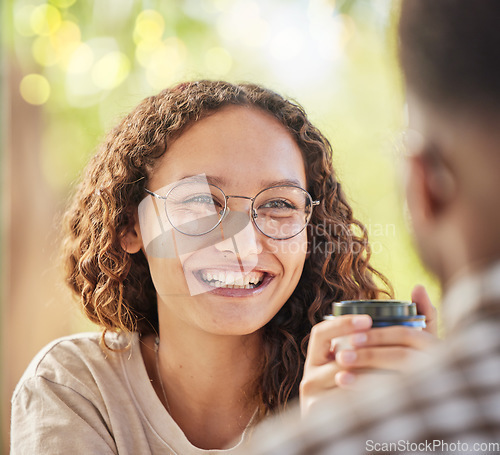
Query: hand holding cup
(347, 349)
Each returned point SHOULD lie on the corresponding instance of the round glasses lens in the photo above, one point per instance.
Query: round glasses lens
(194, 208)
(282, 212)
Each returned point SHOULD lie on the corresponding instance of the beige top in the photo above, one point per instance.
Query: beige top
(76, 398)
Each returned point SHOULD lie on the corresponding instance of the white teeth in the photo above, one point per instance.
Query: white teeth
(254, 277)
(232, 280)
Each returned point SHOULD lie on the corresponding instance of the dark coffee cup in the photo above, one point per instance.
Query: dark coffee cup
(383, 312)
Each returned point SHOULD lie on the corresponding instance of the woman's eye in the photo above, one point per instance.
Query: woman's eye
(278, 204)
(204, 199)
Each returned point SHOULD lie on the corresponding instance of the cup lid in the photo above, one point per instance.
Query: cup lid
(377, 309)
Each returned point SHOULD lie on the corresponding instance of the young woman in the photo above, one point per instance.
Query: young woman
(209, 234)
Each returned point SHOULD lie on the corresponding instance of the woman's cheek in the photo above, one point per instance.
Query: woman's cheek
(168, 276)
(294, 249)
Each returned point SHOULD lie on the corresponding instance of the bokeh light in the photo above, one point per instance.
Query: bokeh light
(287, 44)
(44, 52)
(164, 63)
(94, 68)
(252, 32)
(80, 60)
(66, 41)
(45, 20)
(149, 27)
(35, 89)
(111, 70)
(58, 47)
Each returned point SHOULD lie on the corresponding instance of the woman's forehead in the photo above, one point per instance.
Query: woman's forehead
(237, 144)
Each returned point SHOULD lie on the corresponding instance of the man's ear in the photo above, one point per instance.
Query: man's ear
(440, 183)
(131, 240)
(431, 185)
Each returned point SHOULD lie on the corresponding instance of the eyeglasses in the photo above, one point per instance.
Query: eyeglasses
(197, 208)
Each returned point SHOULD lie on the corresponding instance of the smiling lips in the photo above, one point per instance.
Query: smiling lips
(227, 279)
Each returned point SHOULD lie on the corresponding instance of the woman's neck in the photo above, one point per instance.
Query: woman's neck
(209, 381)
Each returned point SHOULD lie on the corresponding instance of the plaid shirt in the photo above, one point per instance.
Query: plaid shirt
(450, 406)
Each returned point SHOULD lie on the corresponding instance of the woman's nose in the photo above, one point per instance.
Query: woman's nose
(244, 241)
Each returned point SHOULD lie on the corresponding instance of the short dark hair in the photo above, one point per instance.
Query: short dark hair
(450, 52)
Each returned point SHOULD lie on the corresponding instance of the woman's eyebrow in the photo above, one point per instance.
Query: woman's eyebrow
(219, 181)
(283, 182)
(222, 181)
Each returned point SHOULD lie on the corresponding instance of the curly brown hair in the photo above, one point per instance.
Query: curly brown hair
(116, 288)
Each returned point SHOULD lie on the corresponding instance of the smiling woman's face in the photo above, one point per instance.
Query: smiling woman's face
(243, 151)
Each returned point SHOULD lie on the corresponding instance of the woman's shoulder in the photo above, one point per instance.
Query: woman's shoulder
(77, 360)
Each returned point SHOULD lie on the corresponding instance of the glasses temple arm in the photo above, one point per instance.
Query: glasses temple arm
(157, 196)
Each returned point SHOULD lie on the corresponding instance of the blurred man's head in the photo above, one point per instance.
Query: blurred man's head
(450, 55)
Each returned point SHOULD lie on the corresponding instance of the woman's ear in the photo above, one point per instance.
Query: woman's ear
(131, 240)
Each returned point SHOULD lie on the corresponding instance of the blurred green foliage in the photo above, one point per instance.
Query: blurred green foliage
(89, 62)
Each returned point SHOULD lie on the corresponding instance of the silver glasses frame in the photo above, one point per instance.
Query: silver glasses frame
(252, 212)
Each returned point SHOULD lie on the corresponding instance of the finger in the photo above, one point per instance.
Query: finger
(424, 306)
(319, 349)
(308, 404)
(322, 379)
(394, 358)
(352, 380)
(396, 335)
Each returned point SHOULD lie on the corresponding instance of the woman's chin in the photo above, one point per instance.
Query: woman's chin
(233, 323)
